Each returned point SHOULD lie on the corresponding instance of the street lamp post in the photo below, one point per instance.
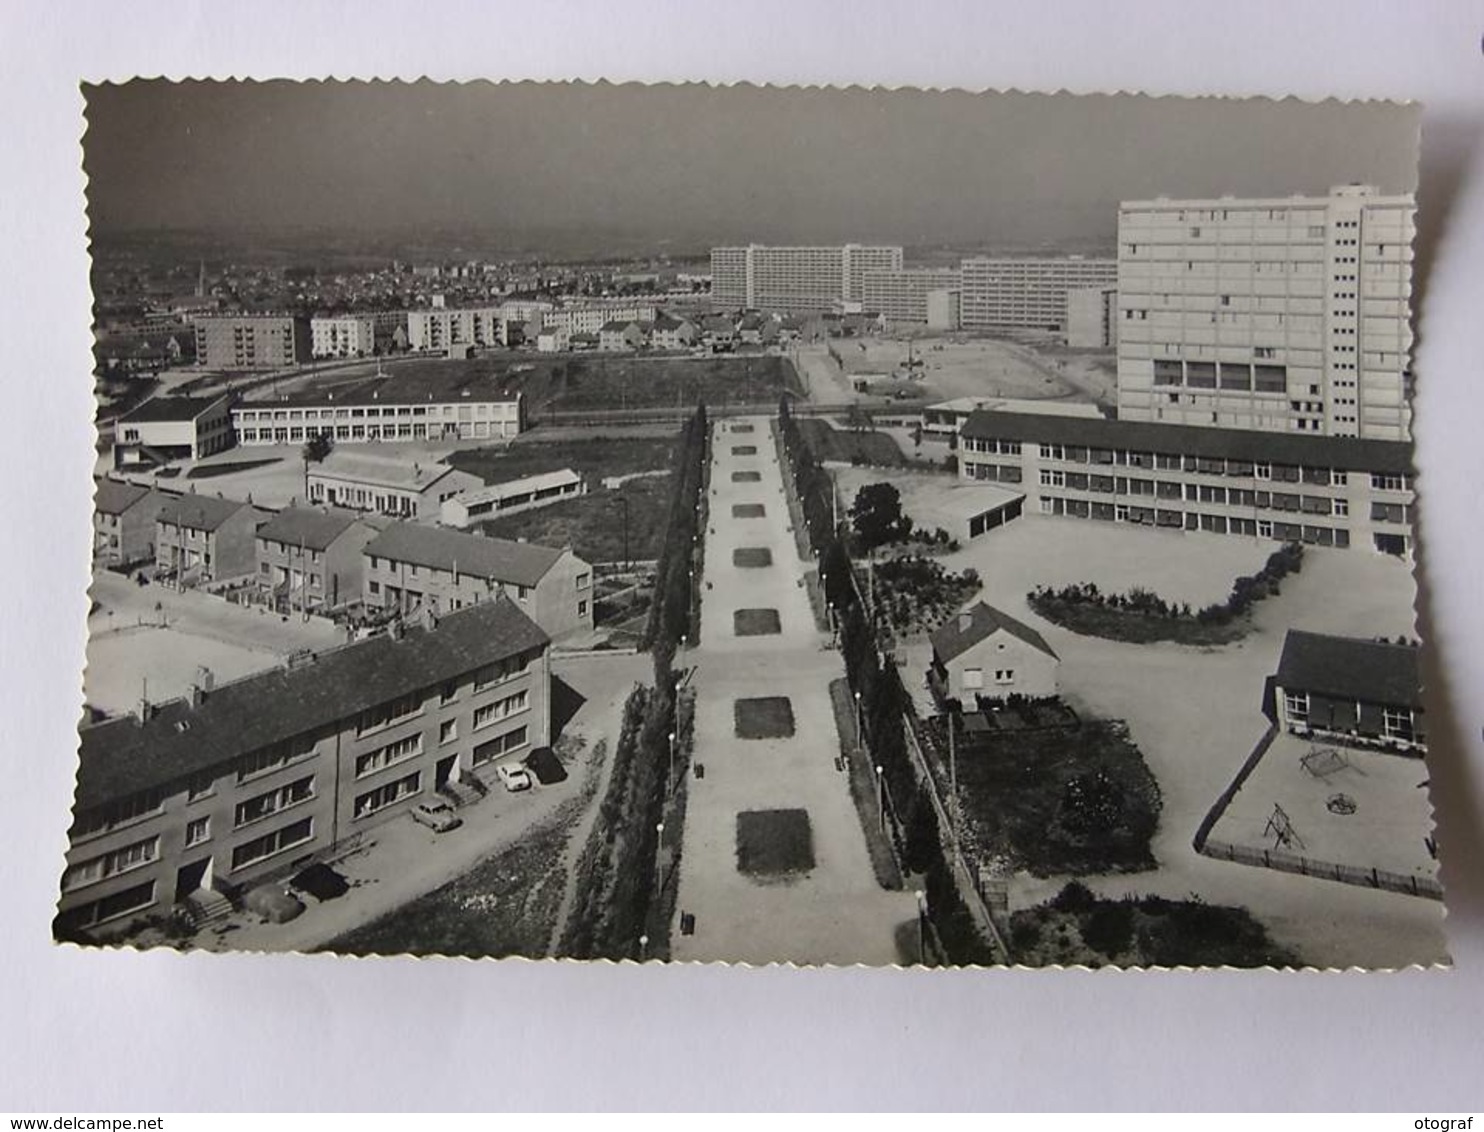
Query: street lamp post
(921, 929)
(659, 848)
(860, 737)
(670, 779)
(643, 948)
(881, 796)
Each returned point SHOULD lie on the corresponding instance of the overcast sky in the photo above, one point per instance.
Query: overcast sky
(700, 163)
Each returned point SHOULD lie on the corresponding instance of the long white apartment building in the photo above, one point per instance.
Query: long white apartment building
(795, 279)
(1285, 314)
(902, 296)
(1001, 293)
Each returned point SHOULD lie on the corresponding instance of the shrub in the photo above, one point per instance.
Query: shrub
(1109, 929)
(1075, 897)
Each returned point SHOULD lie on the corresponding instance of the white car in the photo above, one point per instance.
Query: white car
(515, 778)
(437, 816)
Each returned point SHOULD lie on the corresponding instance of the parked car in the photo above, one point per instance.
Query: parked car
(437, 816)
(515, 778)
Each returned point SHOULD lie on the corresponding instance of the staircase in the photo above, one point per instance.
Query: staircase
(460, 793)
(206, 906)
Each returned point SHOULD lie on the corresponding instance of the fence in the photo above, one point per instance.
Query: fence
(1277, 859)
(1208, 823)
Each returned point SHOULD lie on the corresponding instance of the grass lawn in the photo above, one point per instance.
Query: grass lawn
(593, 524)
(1135, 628)
(756, 622)
(825, 442)
(774, 843)
(506, 905)
(743, 428)
(1058, 802)
(752, 557)
(592, 459)
(1079, 928)
(764, 717)
(748, 510)
(747, 477)
(207, 471)
(744, 450)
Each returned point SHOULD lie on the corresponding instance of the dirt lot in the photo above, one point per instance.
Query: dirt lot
(593, 524)
(593, 459)
(960, 366)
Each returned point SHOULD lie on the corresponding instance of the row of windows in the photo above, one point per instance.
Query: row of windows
(501, 709)
(1196, 521)
(267, 804)
(261, 848)
(111, 864)
(387, 795)
(463, 412)
(383, 757)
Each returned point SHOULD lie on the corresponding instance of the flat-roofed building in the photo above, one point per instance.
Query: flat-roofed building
(344, 335)
(902, 296)
(1321, 490)
(411, 567)
(252, 341)
(240, 784)
(496, 499)
(946, 418)
(797, 279)
(309, 558)
(124, 517)
(1002, 293)
(173, 428)
(1286, 314)
(386, 485)
(205, 538)
(444, 329)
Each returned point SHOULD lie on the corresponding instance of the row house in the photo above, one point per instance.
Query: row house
(619, 336)
(124, 517)
(245, 783)
(203, 538)
(1320, 490)
(310, 558)
(410, 567)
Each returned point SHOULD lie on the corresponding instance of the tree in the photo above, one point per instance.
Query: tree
(876, 515)
(316, 448)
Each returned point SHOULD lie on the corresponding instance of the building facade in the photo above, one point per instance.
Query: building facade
(395, 488)
(1092, 318)
(902, 296)
(229, 342)
(1323, 491)
(496, 499)
(173, 428)
(309, 559)
(412, 568)
(944, 308)
(240, 784)
(984, 652)
(447, 328)
(589, 318)
(1357, 692)
(1283, 314)
(124, 522)
(204, 538)
(343, 336)
(1027, 292)
(796, 280)
(387, 415)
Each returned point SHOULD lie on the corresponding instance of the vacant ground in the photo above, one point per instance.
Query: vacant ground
(593, 524)
(1079, 929)
(592, 459)
(1388, 828)
(774, 843)
(846, 445)
(962, 366)
(764, 717)
(634, 382)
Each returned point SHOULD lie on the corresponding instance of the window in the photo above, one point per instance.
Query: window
(448, 731)
(271, 843)
(973, 678)
(1262, 471)
(123, 860)
(1386, 482)
(393, 711)
(271, 758)
(1341, 508)
(1398, 723)
(503, 670)
(582, 609)
(265, 805)
(1004, 675)
(584, 580)
(1296, 706)
(501, 709)
(384, 796)
(450, 691)
(134, 899)
(383, 757)
(198, 831)
(500, 745)
(1264, 528)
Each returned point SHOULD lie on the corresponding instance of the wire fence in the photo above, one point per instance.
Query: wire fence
(1407, 883)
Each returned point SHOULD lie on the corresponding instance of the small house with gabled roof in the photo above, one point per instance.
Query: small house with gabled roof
(985, 652)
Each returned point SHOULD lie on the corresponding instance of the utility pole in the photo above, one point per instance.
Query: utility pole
(953, 776)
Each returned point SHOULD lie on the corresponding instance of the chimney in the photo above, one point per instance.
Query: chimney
(196, 696)
(965, 620)
(205, 678)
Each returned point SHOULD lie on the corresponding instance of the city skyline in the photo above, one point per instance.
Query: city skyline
(656, 165)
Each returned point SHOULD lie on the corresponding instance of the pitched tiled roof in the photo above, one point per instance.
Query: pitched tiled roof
(949, 640)
(200, 512)
(113, 497)
(498, 559)
(1366, 671)
(309, 527)
(124, 756)
(1347, 453)
(170, 409)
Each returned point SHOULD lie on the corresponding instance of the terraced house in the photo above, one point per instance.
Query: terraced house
(1322, 490)
(200, 799)
(204, 538)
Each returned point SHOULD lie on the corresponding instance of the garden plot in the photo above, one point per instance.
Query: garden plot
(748, 511)
(744, 450)
(763, 717)
(756, 622)
(752, 557)
(747, 477)
(774, 844)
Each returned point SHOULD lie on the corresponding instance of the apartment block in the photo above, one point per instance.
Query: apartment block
(410, 567)
(232, 342)
(1287, 314)
(343, 336)
(444, 328)
(944, 308)
(1027, 292)
(309, 558)
(796, 280)
(1319, 490)
(240, 784)
(902, 296)
(204, 538)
